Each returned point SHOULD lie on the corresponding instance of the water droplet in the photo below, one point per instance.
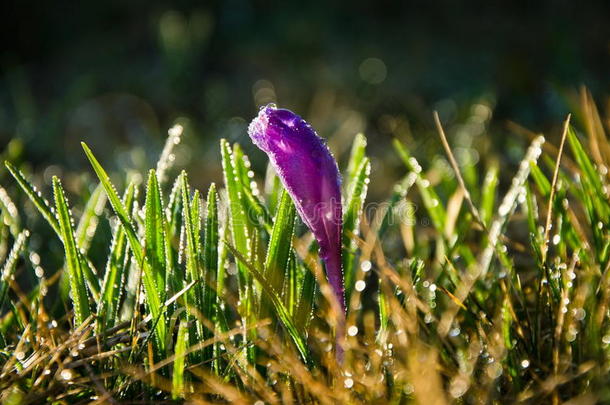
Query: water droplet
(556, 239)
(360, 285)
(579, 314)
(352, 330)
(454, 332)
(66, 374)
(349, 383)
(35, 258)
(525, 363)
(458, 387)
(366, 266)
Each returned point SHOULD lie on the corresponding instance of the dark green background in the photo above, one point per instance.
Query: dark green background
(119, 73)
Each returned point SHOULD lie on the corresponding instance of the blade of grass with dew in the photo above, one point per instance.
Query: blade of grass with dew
(47, 213)
(89, 220)
(9, 214)
(509, 203)
(351, 221)
(593, 196)
(10, 265)
(154, 232)
(212, 270)
(304, 310)
(9, 268)
(273, 188)
(237, 213)
(39, 202)
(241, 232)
(406, 212)
(194, 270)
(74, 263)
(174, 276)
(262, 220)
(292, 282)
(278, 250)
(153, 295)
(280, 309)
(116, 267)
(178, 390)
(357, 154)
(430, 199)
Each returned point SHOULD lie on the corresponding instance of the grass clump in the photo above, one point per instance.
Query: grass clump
(459, 289)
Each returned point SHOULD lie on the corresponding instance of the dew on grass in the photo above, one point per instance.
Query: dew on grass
(352, 330)
(458, 387)
(606, 339)
(35, 258)
(66, 374)
(525, 363)
(360, 285)
(454, 332)
(556, 239)
(348, 383)
(494, 370)
(579, 314)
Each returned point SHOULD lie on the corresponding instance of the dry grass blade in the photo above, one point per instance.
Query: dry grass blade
(549, 213)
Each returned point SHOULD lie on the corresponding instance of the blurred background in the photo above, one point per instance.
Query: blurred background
(118, 74)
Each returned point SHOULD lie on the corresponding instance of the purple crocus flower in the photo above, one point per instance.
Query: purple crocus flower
(309, 173)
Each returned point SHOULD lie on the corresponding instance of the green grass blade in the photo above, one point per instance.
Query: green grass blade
(210, 257)
(237, 213)
(179, 361)
(90, 218)
(9, 214)
(357, 155)
(153, 296)
(280, 309)
(351, 220)
(116, 267)
(154, 230)
(74, 262)
(280, 244)
(242, 234)
(10, 264)
(39, 202)
(430, 199)
(305, 310)
(194, 271)
(117, 205)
